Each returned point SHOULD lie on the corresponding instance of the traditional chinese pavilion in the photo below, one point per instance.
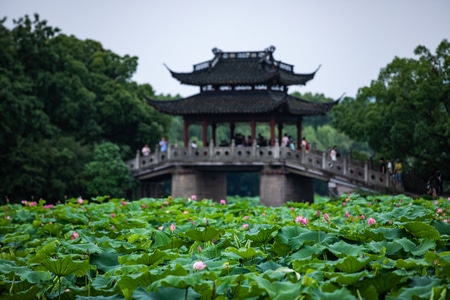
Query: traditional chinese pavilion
(242, 87)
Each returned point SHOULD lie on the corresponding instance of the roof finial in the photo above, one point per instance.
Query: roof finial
(270, 49)
(216, 50)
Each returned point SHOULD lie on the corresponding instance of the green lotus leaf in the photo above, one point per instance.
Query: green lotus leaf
(342, 248)
(28, 294)
(390, 248)
(275, 290)
(425, 291)
(443, 228)
(104, 284)
(262, 235)
(25, 273)
(383, 282)
(391, 233)
(245, 253)
(203, 234)
(305, 253)
(341, 294)
(46, 251)
(346, 279)
(148, 259)
(15, 237)
(66, 266)
(180, 282)
(82, 248)
(162, 239)
(164, 293)
(351, 264)
(422, 230)
(53, 229)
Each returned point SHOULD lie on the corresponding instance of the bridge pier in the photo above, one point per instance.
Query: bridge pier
(205, 185)
(278, 187)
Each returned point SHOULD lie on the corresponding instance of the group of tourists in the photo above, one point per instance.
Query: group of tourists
(162, 147)
(395, 170)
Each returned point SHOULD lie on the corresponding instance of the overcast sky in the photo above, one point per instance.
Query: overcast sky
(350, 39)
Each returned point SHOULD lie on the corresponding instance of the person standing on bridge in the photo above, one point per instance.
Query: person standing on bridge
(305, 145)
(163, 144)
(333, 155)
(398, 170)
(146, 150)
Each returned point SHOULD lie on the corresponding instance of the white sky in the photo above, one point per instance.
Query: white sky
(351, 39)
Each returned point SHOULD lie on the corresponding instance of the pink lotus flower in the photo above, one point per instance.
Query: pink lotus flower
(199, 248)
(199, 265)
(347, 215)
(75, 235)
(301, 220)
(371, 221)
(245, 217)
(172, 227)
(223, 202)
(439, 210)
(113, 215)
(194, 197)
(48, 206)
(244, 226)
(326, 216)
(363, 217)
(80, 200)
(318, 213)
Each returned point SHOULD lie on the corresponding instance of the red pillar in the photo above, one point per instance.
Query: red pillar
(253, 128)
(214, 127)
(205, 133)
(186, 132)
(272, 130)
(232, 126)
(280, 132)
(299, 133)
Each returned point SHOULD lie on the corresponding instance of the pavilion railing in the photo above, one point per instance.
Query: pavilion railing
(314, 158)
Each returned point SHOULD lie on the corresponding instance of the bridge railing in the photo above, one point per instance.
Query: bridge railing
(313, 158)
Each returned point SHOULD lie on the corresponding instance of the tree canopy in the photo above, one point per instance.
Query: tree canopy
(60, 97)
(404, 113)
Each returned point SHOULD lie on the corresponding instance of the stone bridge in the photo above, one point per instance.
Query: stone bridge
(285, 174)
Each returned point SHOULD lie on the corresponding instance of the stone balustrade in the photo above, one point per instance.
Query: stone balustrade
(344, 168)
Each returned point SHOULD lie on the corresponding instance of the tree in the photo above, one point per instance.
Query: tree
(404, 113)
(107, 174)
(61, 96)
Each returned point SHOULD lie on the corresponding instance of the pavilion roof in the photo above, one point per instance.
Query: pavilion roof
(241, 102)
(243, 68)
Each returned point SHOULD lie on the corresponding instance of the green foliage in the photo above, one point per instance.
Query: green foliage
(107, 174)
(119, 249)
(405, 112)
(60, 97)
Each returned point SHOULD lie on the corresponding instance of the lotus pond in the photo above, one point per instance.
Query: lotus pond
(354, 247)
